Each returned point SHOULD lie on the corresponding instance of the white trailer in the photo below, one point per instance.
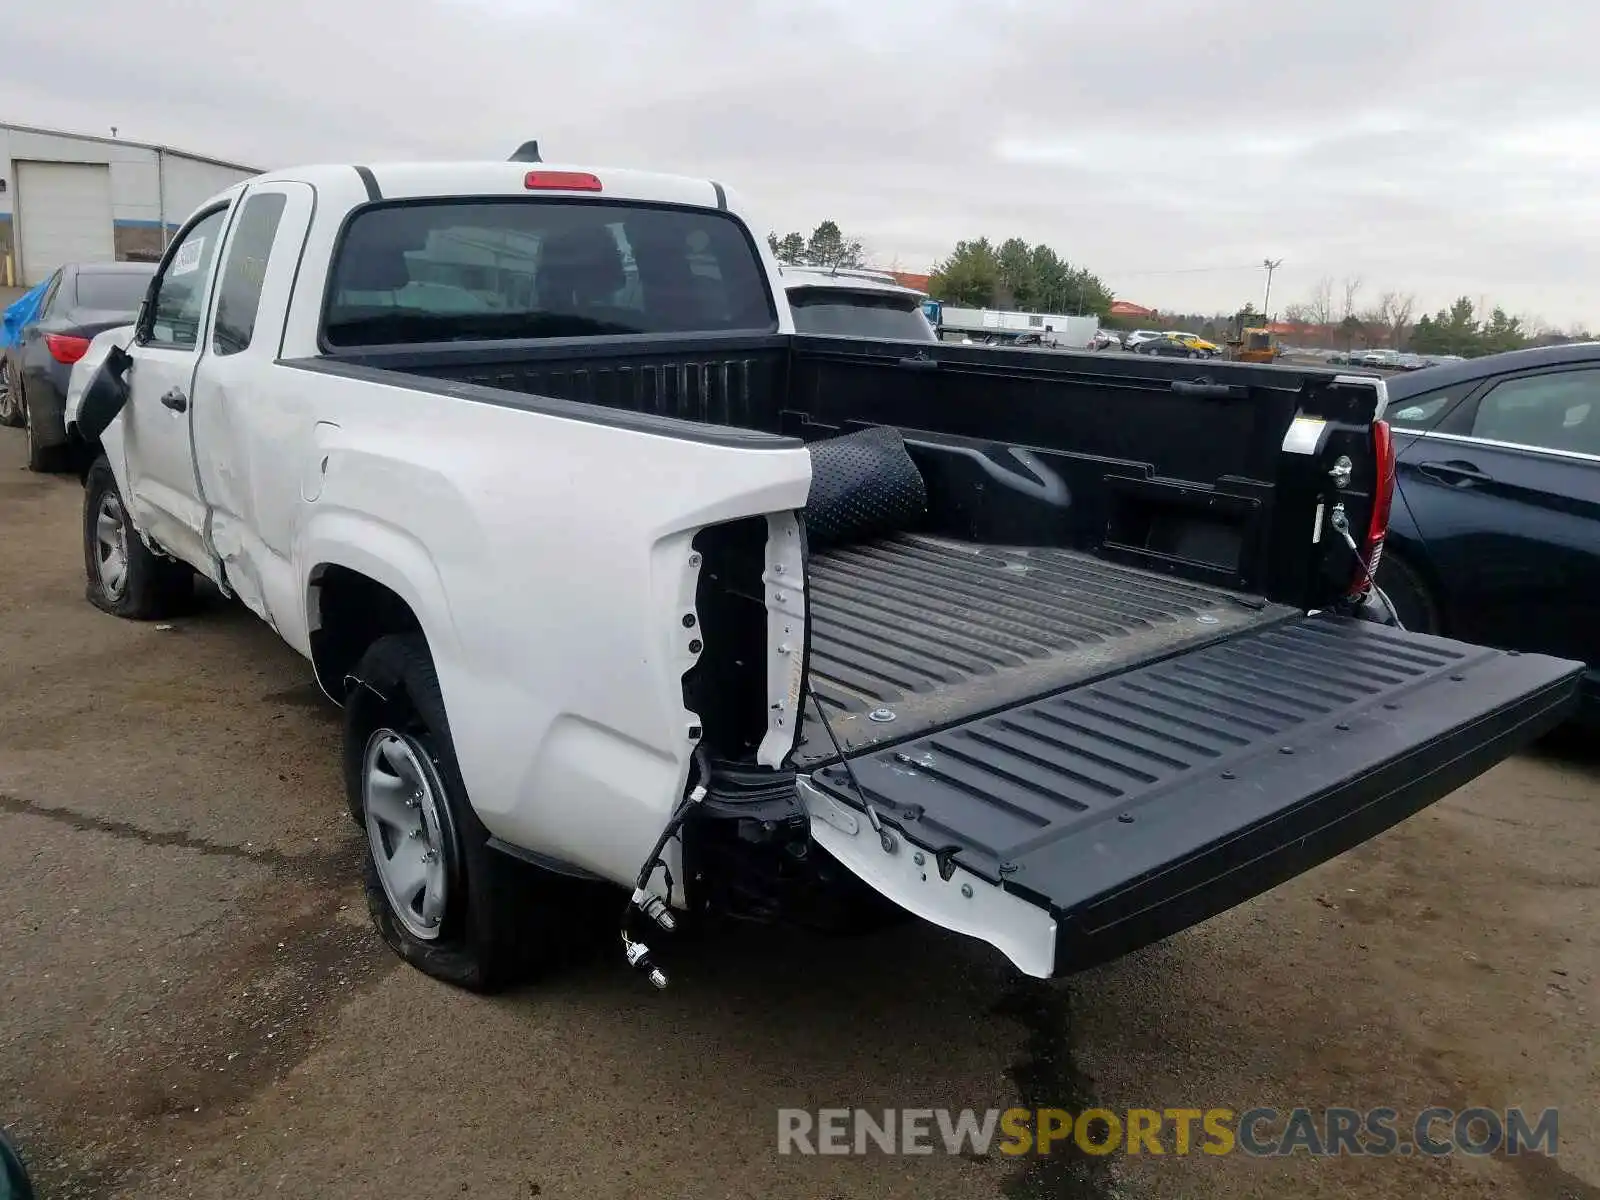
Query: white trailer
(1055, 329)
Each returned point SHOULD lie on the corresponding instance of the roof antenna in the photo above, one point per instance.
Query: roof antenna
(527, 152)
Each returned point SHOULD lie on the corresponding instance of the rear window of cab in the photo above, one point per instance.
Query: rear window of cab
(487, 269)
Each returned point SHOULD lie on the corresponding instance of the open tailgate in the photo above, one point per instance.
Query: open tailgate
(1134, 806)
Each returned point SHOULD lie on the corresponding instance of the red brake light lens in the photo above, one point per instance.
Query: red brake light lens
(1382, 502)
(560, 181)
(65, 348)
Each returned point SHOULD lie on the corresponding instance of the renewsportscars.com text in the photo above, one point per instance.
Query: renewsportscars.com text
(1257, 1132)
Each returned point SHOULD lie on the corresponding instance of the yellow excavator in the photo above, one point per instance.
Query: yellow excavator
(1250, 341)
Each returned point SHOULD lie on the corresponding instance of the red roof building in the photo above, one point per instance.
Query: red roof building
(912, 280)
(1126, 308)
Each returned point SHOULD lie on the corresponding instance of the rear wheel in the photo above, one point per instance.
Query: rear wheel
(47, 459)
(125, 577)
(10, 394)
(444, 900)
(1195, 354)
(1410, 595)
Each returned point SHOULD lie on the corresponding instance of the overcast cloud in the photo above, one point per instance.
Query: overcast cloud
(1434, 146)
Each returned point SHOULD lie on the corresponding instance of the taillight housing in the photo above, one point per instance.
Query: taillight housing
(1370, 549)
(65, 347)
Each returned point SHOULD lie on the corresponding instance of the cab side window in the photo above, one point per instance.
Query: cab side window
(1556, 411)
(244, 271)
(181, 291)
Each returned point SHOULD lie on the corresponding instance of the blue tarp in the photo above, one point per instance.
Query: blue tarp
(18, 315)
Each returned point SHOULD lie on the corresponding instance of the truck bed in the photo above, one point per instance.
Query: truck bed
(936, 631)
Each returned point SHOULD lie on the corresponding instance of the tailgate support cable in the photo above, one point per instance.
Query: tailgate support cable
(1341, 525)
(885, 838)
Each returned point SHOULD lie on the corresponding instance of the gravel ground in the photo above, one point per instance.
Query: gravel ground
(192, 1003)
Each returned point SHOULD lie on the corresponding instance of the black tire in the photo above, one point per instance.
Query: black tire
(151, 587)
(48, 460)
(1196, 354)
(501, 916)
(10, 393)
(1413, 601)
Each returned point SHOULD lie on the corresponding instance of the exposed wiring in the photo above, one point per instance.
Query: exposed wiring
(657, 909)
(638, 956)
(697, 793)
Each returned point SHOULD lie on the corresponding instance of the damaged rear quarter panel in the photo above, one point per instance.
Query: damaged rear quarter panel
(549, 562)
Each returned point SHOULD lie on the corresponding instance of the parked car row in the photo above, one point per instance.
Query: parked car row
(1392, 360)
(1164, 343)
(1177, 345)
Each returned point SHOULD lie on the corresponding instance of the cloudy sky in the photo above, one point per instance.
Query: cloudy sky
(1437, 147)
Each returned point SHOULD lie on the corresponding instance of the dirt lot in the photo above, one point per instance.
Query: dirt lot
(191, 1002)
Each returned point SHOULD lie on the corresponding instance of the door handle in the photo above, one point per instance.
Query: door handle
(176, 401)
(1457, 472)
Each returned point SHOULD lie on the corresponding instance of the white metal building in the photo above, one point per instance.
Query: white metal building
(68, 197)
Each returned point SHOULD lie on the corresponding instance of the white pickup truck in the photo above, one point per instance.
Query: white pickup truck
(619, 579)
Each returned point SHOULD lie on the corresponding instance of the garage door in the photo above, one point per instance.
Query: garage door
(63, 215)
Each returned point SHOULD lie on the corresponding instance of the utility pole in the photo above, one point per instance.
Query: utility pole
(1271, 265)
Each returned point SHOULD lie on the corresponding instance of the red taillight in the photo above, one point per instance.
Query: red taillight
(65, 348)
(560, 181)
(1382, 501)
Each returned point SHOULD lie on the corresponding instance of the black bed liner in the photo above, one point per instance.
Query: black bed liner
(1143, 802)
(937, 631)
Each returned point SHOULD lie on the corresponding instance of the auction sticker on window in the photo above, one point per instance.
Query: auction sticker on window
(187, 258)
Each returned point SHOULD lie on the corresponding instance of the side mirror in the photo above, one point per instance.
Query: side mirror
(106, 394)
(14, 1181)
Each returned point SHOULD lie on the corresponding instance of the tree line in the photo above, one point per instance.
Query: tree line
(1015, 275)
(976, 274)
(1459, 330)
(1335, 317)
(826, 247)
(980, 273)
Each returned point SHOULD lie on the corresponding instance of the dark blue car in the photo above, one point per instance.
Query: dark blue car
(1495, 533)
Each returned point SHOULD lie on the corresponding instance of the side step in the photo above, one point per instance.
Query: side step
(1138, 805)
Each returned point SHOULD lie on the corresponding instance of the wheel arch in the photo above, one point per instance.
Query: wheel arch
(1403, 540)
(1412, 556)
(360, 591)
